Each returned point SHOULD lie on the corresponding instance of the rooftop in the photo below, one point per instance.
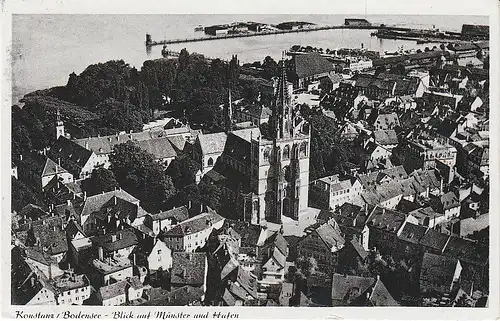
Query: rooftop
(116, 241)
(188, 268)
(110, 265)
(195, 224)
(119, 288)
(311, 64)
(69, 281)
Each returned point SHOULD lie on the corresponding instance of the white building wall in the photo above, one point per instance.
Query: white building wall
(44, 296)
(74, 296)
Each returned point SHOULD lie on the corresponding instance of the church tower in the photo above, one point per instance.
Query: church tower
(228, 108)
(59, 125)
(282, 182)
(228, 112)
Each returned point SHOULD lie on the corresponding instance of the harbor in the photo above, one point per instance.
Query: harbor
(150, 42)
(254, 29)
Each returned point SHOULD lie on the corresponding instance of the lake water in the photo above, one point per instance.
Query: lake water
(47, 48)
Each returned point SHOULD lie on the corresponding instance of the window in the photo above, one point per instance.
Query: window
(286, 152)
(159, 252)
(210, 161)
(303, 149)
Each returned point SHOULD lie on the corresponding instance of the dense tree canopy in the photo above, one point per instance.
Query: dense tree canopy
(23, 195)
(101, 180)
(182, 171)
(138, 173)
(119, 116)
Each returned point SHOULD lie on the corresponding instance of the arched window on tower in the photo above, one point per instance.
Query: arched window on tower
(303, 149)
(267, 153)
(210, 162)
(305, 128)
(286, 152)
(286, 207)
(287, 173)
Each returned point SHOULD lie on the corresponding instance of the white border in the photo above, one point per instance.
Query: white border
(443, 7)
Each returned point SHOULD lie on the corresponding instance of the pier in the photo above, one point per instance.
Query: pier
(381, 31)
(150, 42)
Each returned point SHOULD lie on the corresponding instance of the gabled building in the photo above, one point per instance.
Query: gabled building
(387, 139)
(350, 290)
(188, 269)
(273, 253)
(192, 233)
(117, 244)
(207, 149)
(26, 287)
(308, 68)
(351, 220)
(38, 170)
(70, 288)
(108, 210)
(439, 274)
(75, 159)
(323, 244)
(109, 270)
(333, 192)
(160, 257)
(166, 220)
(121, 292)
(447, 204)
(386, 121)
(253, 112)
(185, 296)
(385, 225)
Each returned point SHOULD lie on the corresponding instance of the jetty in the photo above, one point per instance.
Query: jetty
(380, 30)
(150, 42)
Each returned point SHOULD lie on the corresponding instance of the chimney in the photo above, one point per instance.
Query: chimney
(114, 199)
(32, 281)
(441, 186)
(134, 259)
(21, 157)
(54, 228)
(120, 236)
(101, 253)
(86, 144)
(84, 195)
(113, 238)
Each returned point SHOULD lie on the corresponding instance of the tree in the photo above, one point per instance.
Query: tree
(138, 173)
(210, 195)
(325, 85)
(270, 68)
(182, 171)
(119, 116)
(101, 180)
(23, 195)
(306, 265)
(183, 59)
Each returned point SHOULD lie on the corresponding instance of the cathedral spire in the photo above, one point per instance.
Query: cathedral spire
(228, 108)
(282, 111)
(228, 111)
